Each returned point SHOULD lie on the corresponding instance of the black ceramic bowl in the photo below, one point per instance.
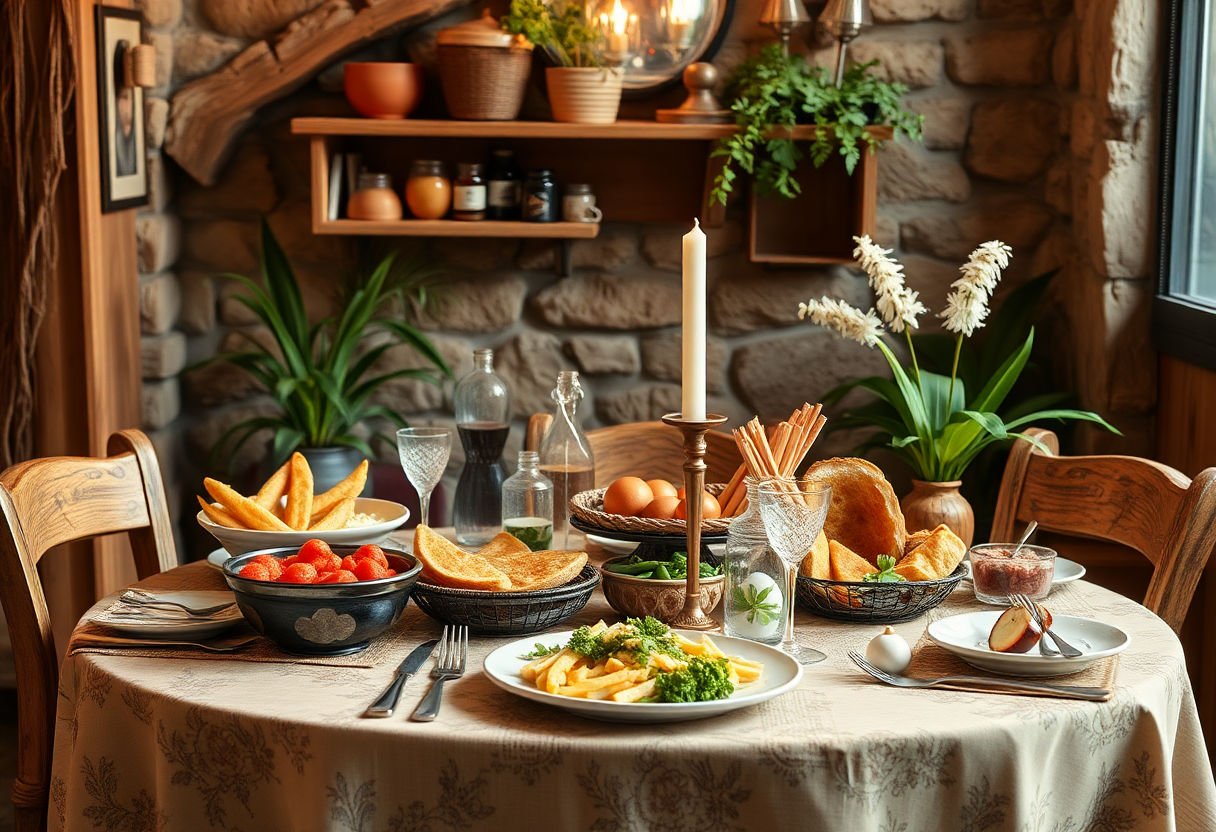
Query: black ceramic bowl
(323, 619)
(508, 613)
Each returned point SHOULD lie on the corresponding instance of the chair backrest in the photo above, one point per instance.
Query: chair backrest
(645, 449)
(44, 503)
(1139, 503)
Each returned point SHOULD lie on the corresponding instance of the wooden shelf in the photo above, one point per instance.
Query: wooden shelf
(460, 228)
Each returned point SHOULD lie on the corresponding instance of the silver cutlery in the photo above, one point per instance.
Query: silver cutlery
(387, 703)
(449, 664)
(137, 596)
(1013, 685)
(1034, 524)
(1067, 649)
(100, 642)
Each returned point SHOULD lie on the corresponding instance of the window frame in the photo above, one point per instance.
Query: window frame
(1183, 326)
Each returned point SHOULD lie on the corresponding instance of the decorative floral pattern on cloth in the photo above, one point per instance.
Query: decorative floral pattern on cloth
(171, 743)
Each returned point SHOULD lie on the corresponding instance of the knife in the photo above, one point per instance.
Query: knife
(387, 702)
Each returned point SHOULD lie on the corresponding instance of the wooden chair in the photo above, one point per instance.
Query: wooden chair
(1142, 504)
(45, 503)
(645, 449)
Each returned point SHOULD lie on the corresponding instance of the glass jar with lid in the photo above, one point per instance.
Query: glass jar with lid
(540, 197)
(469, 192)
(754, 604)
(374, 199)
(503, 186)
(527, 504)
(428, 191)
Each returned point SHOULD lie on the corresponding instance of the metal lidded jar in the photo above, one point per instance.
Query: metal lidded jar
(428, 191)
(469, 192)
(540, 197)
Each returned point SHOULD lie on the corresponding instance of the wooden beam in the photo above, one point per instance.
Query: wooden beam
(209, 113)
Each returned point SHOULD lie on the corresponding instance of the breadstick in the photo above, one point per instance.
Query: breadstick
(272, 490)
(246, 511)
(299, 493)
(218, 514)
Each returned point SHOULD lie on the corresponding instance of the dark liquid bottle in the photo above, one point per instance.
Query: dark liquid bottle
(482, 409)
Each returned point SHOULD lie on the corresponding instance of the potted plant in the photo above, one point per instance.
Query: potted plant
(582, 88)
(322, 376)
(773, 93)
(931, 420)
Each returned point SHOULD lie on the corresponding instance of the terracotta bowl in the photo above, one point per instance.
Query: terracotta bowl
(381, 89)
(638, 597)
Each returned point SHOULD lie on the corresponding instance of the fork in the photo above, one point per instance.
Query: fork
(1045, 649)
(1067, 649)
(1013, 685)
(453, 651)
(136, 596)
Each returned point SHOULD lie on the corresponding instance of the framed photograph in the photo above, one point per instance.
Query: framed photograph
(120, 110)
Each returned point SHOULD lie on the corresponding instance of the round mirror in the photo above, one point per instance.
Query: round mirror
(653, 40)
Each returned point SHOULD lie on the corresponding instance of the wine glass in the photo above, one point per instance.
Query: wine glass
(793, 515)
(424, 456)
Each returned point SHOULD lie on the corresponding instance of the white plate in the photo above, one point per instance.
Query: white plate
(966, 636)
(1066, 571)
(626, 547)
(184, 628)
(239, 541)
(780, 674)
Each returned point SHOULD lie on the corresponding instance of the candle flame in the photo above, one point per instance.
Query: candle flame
(620, 18)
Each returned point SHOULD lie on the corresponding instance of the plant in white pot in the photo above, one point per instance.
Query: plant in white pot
(582, 87)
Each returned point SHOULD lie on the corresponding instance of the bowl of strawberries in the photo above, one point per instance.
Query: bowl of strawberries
(319, 599)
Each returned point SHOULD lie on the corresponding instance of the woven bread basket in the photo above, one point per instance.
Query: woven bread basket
(588, 506)
(483, 70)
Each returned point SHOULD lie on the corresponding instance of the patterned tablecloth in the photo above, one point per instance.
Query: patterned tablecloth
(145, 743)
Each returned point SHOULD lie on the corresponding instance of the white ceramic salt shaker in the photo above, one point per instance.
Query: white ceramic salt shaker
(889, 651)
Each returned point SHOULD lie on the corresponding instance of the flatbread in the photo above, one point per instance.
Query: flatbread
(539, 570)
(817, 563)
(864, 514)
(936, 558)
(444, 563)
(847, 565)
(914, 539)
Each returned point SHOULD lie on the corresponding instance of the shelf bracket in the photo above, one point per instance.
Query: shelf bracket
(564, 264)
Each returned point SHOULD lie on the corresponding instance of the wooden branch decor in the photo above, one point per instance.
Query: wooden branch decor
(209, 113)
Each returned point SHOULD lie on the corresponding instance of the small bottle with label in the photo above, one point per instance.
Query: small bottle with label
(540, 197)
(469, 192)
(503, 186)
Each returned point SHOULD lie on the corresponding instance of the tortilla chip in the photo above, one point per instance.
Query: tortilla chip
(817, 564)
(847, 565)
(864, 514)
(936, 558)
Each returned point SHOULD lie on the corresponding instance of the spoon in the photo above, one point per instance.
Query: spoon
(1034, 524)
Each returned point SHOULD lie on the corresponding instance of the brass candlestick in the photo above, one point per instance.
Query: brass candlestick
(692, 617)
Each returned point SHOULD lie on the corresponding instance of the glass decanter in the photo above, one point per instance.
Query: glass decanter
(527, 504)
(754, 606)
(565, 453)
(483, 407)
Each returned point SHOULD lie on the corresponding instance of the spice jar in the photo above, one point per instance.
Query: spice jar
(540, 197)
(427, 191)
(373, 199)
(503, 188)
(469, 192)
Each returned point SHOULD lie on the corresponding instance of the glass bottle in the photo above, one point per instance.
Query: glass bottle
(483, 406)
(755, 578)
(527, 504)
(469, 192)
(540, 197)
(503, 186)
(565, 453)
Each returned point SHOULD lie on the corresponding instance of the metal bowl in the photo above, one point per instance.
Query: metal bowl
(639, 597)
(886, 603)
(323, 619)
(507, 613)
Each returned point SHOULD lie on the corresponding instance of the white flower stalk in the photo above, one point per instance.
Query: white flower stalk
(898, 305)
(849, 321)
(967, 303)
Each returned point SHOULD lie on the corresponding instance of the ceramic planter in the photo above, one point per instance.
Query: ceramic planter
(933, 503)
(332, 465)
(584, 95)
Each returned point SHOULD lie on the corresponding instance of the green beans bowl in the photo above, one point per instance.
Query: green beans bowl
(639, 587)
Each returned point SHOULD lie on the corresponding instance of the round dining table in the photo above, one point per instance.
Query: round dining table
(205, 742)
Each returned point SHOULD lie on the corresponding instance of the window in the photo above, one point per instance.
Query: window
(1185, 312)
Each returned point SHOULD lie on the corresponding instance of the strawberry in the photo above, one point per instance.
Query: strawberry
(373, 552)
(254, 572)
(273, 565)
(370, 570)
(299, 573)
(342, 576)
(314, 549)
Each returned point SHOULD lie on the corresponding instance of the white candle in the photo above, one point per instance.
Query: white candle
(693, 402)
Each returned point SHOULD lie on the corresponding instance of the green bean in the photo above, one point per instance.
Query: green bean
(632, 568)
(644, 575)
(661, 573)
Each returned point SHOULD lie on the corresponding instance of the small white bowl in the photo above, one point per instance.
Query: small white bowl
(239, 541)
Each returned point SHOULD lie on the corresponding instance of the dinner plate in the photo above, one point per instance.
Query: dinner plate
(169, 626)
(1066, 572)
(780, 674)
(626, 547)
(966, 636)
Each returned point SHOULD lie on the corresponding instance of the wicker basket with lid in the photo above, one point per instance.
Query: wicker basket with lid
(483, 69)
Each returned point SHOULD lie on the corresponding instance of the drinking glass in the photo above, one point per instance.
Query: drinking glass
(793, 514)
(424, 456)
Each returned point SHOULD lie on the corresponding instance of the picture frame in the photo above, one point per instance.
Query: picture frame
(120, 113)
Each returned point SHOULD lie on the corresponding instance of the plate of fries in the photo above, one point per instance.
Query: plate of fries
(286, 511)
(632, 685)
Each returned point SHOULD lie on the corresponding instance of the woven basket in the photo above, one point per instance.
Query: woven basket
(885, 603)
(588, 506)
(507, 613)
(483, 83)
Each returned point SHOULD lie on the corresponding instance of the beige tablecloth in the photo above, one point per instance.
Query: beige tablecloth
(146, 743)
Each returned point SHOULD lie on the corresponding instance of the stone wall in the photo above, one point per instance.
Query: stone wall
(1038, 132)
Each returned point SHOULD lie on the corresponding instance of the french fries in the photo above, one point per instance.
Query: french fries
(298, 511)
(270, 495)
(335, 519)
(286, 501)
(250, 514)
(348, 489)
(219, 514)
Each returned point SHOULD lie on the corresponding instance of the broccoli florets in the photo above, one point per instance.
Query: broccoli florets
(703, 680)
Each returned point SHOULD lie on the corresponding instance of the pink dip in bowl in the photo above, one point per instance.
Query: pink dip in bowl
(996, 573)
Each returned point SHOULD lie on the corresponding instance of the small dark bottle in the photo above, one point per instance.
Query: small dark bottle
(469, 192)
(540, 197)
(503, 186)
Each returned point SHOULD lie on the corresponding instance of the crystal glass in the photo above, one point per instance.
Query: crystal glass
(793, 514)
(527, 504)
(755, 601)
(483, 408)
(424, 456)
(565, 453)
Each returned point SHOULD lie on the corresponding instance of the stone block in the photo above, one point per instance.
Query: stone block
(662, 359)
(245, 188)
(1023, 9)
(219, 383)
(600, 354)
(916, 63)
(408, 396)
(161, 14)
(953, 236)
(529, 363)
(158, 240)
(1085, 128)
(1121, 195)
(160, 192)
(618, 302)
(911, 11)
(156, 117)
(204, 435)
(886, 231)
(946, 121)
(931, 278)
(663, 246)
(907, 172)
(197, 315)
(160, 301)
(747, 302)
(1118, 48)
(478, 255)
(1001, 57)
(1012, 139)
(649, 402)
(160, 403)
(613, 250)
(223, 245)
(197, 53)
(480, 304)
(253, 20)
(162, 42)
(162, 356)
(291, 222)
(232, 311)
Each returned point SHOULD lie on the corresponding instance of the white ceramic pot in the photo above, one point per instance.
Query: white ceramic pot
(584, 95)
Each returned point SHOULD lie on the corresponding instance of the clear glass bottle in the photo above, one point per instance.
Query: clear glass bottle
(483, 407)
(565, 453)
(755, 578)
(527, 504)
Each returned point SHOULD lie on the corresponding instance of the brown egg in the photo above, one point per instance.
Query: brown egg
(628, 496)
(662, 488)
(710, 510)
(662, 508)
